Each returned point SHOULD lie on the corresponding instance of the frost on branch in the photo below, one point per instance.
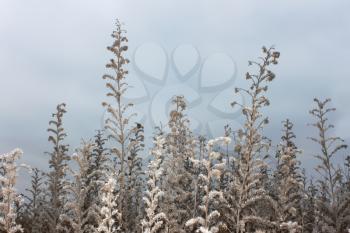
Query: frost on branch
(8, 194)
(288, 184)
(110, 216)
(76, 215)
(155, 220)
(207, 220)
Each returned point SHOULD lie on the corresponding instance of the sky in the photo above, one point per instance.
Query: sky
(55, 51)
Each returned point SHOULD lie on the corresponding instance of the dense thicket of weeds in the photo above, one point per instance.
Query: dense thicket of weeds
(192, 183)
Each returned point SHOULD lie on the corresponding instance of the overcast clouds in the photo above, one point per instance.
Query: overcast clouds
(54, 51)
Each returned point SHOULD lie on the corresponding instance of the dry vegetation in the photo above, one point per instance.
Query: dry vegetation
(191, 184)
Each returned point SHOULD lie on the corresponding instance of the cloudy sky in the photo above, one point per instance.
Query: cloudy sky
(55, 51)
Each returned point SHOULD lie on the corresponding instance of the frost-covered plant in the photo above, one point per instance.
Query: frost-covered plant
(227, 176)
(202, 149)
(288, 181)
(58, 165)
(135, 183)
(8, 193)
(34, 204)
(76, 216)
(155, 220)
(178, 180)
(209, 179)
(118, 122)
(99, 165)
(347, 173)
(334, 209)
(99, 169)
(290, 227)
(308, 210)
(111, 218)
(246, 188)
